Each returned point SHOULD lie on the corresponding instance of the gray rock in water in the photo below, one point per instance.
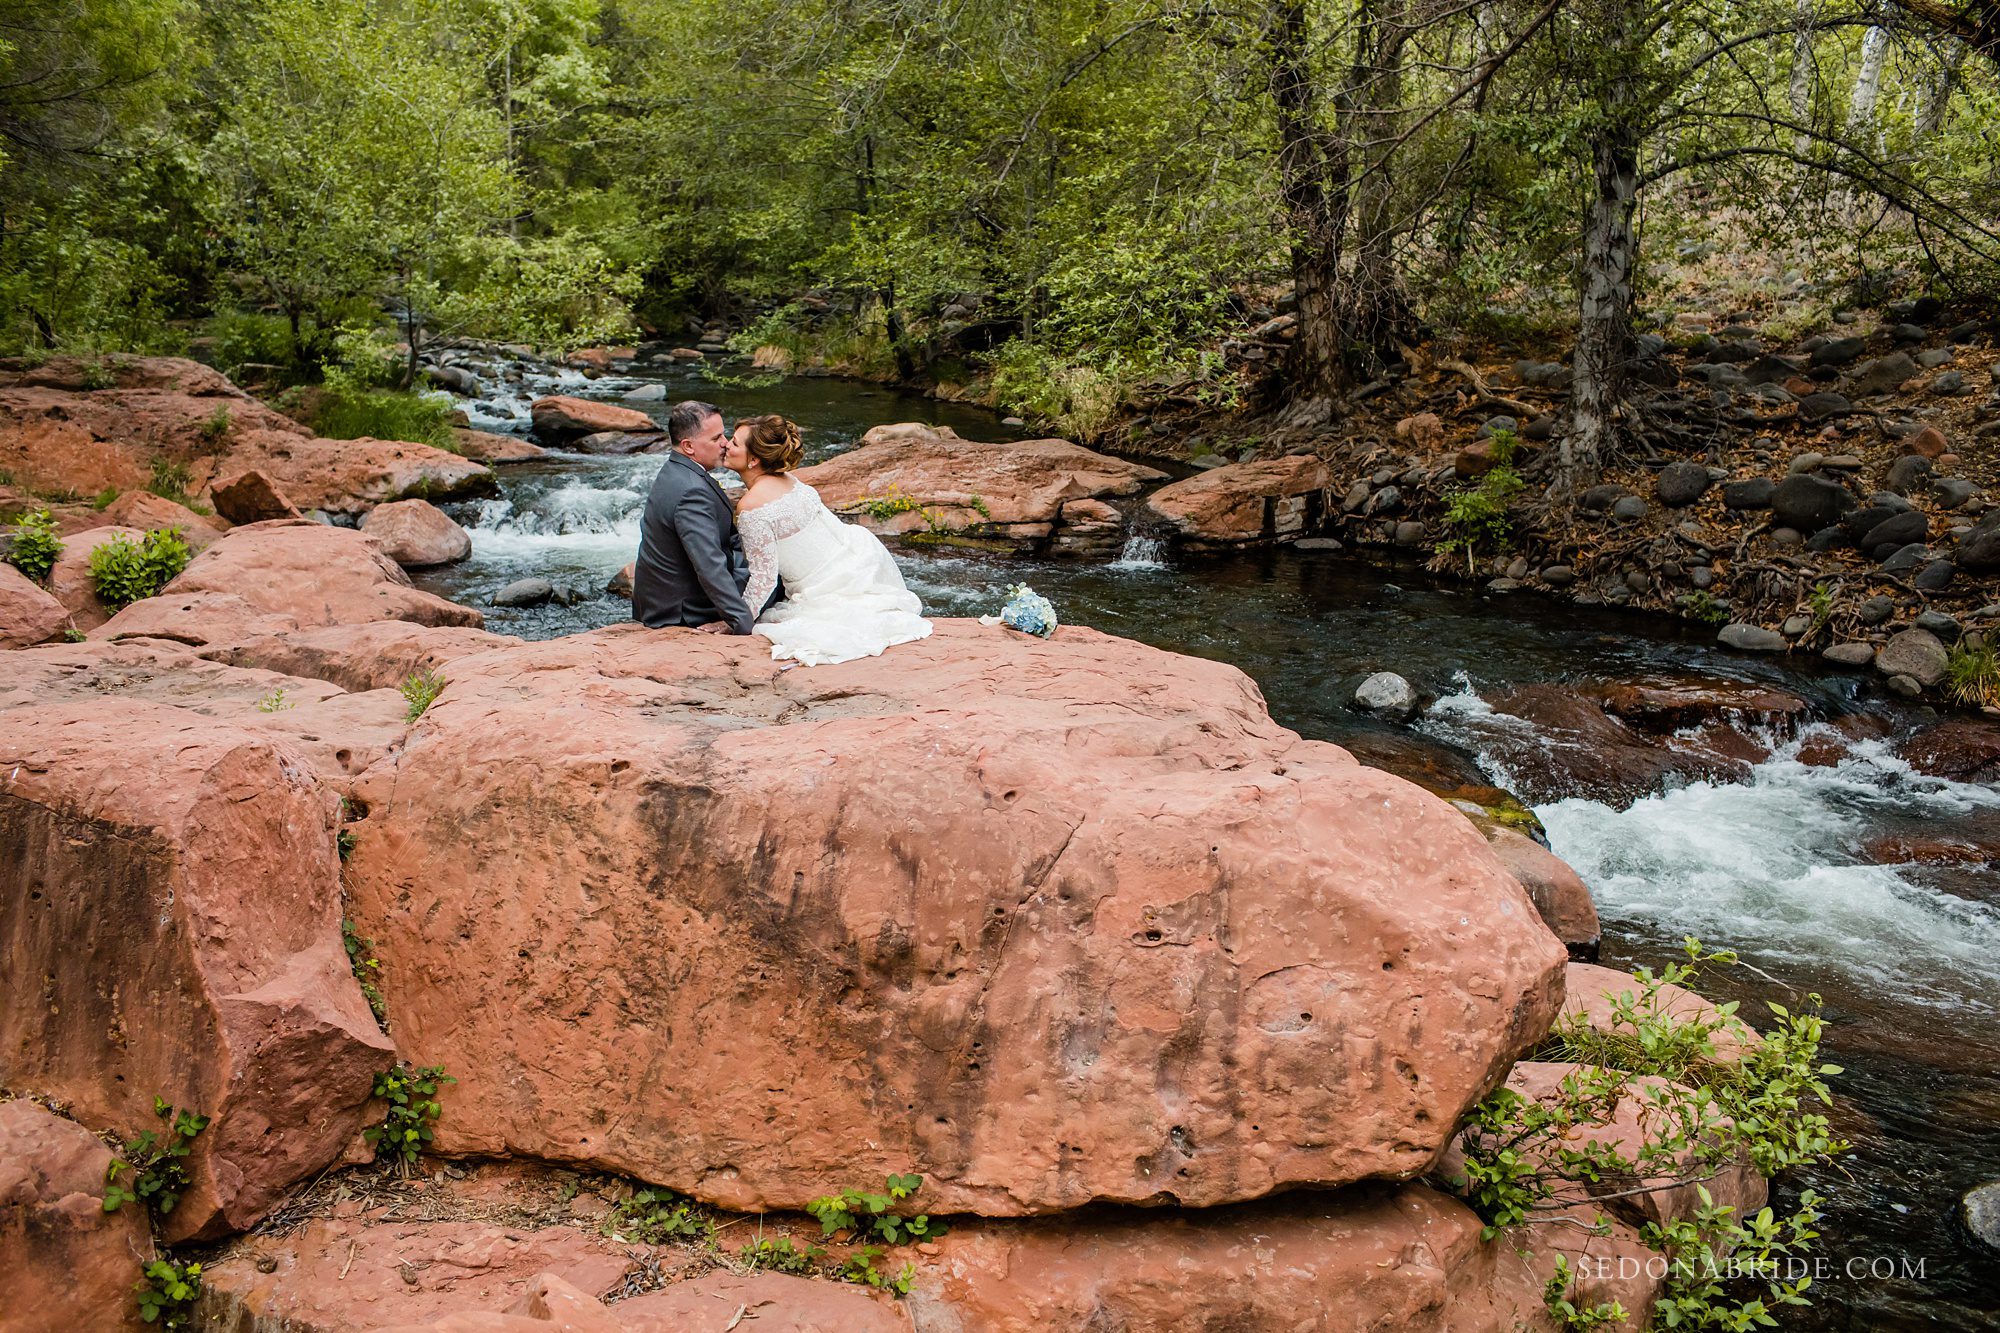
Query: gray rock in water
(525, 592)
(1409, 533)
(1875, 610)
(648, 393)
(1915, 653)
(1630, 506)
(1980, 1211)
(1559, 576)
(1751, 638)
(1755, 493)
(1387, 693)
(1851, 654)
(1502, 585)
(1809, 503)
(1681, 484)
(1317, 544)
(1907, 686)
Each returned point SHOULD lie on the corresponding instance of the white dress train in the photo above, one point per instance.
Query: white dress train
(844, 596)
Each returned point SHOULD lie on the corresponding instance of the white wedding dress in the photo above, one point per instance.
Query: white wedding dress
(844, 596)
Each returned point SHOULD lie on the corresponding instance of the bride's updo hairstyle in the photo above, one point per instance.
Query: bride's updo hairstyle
(774, 442)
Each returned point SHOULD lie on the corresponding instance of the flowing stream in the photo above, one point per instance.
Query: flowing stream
(1907, 958)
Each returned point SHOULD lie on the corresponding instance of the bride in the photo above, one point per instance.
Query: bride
(844, 596)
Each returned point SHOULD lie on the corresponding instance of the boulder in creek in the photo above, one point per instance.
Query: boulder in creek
(1059, 922)
(1576, 748)
(1751, 638)
(488, 447)
(1387, 693)
(416, 533)
(1851, 654)
(173, 890)
(525, 592)
(1558, 892)
(28, 614)
(1979, 1210)
(1244, 502)
(618, 442)
(70, 1265)
(1963, 749)
(1808, 502)
(349, 476)
(285, 575)
(1915, 653)
(250, 497)
(1015, 491)
(560, 420)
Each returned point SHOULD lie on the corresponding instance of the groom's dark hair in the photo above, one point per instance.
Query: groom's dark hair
(686, 419)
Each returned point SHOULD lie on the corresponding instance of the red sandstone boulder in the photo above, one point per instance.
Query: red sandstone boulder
(487, 447)
(373, 656)
(1241, 503)
(70, 1265)
(559, 419)
(1114, 932)
(27, 613)
(172, 880)
(70, 582)
(1362, 1260)
(250, 497)
(267, 578)
(339, 1275)
(1576, 748)
(348, 476)
(1557, 891)
(416, 533)
(1023, 486)
(1665, 704)
(147, 511)
(1962, 749)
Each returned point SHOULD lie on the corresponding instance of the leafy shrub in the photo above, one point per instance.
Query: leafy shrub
(99, 374)
(859, 1267)
(158, 1165)
(420, 690)
(1972, 674)
(1078, 400)
(1700, 606)
(656, 1216)
(867, 1216)
(1705, 1115)
(1477, 515)
(382, 414)
(123, 571)
(168, 1294)
(413, 1108)
(243, 338)
(216, 428)
(35, 548)
(104, 499)
(170, 480)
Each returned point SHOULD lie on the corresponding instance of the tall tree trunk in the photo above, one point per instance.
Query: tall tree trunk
(1803, 67)
(1867, 82)
(1376, 308)
(1316, 214)
(1937, 97)
(1602, 360)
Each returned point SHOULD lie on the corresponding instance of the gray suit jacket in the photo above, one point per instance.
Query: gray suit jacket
(691, 568)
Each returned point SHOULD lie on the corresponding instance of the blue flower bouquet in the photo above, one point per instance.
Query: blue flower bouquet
(1027, 611)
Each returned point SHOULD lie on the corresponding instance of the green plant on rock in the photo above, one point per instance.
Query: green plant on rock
(215, 428)
(35, 548)
(104, 499)
(782, 1256)
(1820, 604)
(361, 959)
(171, 477)
(98, 373)
(1557, 1296)
(413, 1109)
(168, 1293)
(1701, 607)
(859, 1267)
(157, 1162)
(656, 1215)
(1702, 1113)
(275, 701)
(420, 690)
(123, 571)
(1972, 673)
(1476, 515)
(868, 1216)
(881, 508)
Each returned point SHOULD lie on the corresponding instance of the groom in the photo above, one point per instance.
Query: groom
(691, 568)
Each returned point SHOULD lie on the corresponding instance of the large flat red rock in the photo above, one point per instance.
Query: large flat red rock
(70, 1265)
(1049, 922)
(1240, 503)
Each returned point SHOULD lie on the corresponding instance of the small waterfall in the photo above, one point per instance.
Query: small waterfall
(1142, 552)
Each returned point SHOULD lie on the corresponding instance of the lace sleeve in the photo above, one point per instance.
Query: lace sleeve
(760, 544)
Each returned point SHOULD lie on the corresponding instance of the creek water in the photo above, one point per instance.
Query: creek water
(1907, 959)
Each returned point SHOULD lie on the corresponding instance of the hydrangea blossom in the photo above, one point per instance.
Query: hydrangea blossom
(1028, 611)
